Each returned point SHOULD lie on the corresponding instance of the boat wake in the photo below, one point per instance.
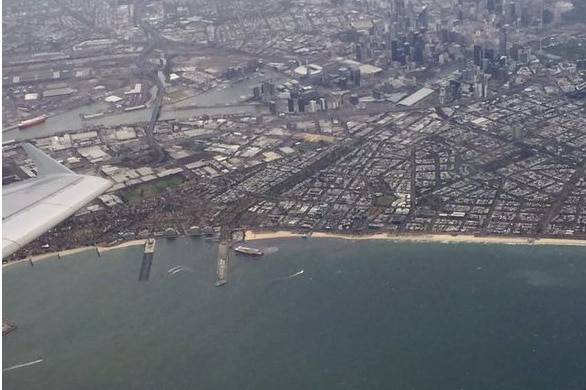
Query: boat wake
(22, 365)
(178, 269)
(293, 275)
(270, 250)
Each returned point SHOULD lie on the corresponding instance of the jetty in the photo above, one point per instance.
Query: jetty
(222, 270)
(147, 260)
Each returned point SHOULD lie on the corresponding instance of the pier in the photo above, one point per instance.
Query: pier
(147, 260)
(222, 270)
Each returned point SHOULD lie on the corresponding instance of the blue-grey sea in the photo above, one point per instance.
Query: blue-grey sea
(361, 315)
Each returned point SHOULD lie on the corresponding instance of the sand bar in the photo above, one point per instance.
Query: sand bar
(252, 235)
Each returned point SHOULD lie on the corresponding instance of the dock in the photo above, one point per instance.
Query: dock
(222, 270)
(147, 260)
(7, 327)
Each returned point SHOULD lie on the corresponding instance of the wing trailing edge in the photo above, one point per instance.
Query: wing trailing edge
(32, 207)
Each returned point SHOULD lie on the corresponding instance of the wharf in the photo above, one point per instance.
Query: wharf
(147, 260)
(222, 270)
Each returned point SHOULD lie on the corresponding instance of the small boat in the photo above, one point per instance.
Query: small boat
(244, 250)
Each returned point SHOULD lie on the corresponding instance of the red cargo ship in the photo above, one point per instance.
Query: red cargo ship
(32, 122)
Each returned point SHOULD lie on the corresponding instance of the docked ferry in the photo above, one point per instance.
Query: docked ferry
(244, 250)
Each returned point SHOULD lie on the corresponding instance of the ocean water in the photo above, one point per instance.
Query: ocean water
(361, 315)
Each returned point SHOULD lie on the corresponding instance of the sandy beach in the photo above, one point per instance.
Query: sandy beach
(51, 255)
(252, 235)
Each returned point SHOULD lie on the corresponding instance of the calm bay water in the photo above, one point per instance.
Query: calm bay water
(379, 315)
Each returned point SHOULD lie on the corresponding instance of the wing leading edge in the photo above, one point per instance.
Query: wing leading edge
(34, 206)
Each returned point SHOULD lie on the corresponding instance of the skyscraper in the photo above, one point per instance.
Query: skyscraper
(358, 52)
(291, 105)
(503, 41)
(477, 55)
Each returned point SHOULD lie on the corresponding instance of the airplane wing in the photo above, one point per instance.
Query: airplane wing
(32, 207)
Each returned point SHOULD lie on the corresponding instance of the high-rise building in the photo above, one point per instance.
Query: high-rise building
(510, 13)
(524, 56)
(417, 49)
(477, 55)
(485, 79)
(498, 7)
(291, 105)
(395, 50)
(526, 16)
(273, 108)
(423, 18)
(503, 41)
(312, 106)
(358, 52)
(301, 104)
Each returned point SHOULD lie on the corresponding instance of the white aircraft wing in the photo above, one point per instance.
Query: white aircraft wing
(32, 207)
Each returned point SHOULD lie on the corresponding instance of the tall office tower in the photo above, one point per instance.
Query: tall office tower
(510, 13)
(526, 16)
(455, 89)
(423, 18)
(395, 50)
(477, 55)
(301, 104)
(399, 7)
(503, 41)
(524, 56)
(256, 93)
(358, 52)
(357, 78)
(273, 108)
(498, 7)
(291, 105)
(485, 85)
(490, 5)
(323, 104)
(417, 50)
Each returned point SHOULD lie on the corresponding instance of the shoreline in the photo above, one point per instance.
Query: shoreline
(73, 251)
(252, 235)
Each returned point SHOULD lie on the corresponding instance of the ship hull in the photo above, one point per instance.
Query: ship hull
(32, 122)
(241, 250)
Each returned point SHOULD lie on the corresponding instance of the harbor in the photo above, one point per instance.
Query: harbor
(147, 260)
